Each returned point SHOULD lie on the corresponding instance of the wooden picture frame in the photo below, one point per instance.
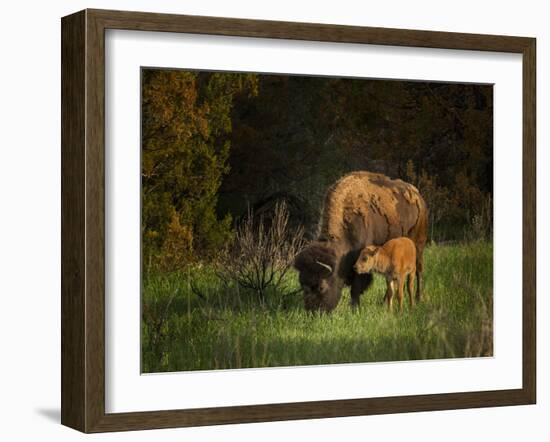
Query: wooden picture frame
(83, 216)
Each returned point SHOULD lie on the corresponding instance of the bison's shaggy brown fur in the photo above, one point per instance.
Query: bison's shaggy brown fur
(360, 209)
(396, 260)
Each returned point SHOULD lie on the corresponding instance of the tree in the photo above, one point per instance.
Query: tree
(186, 122)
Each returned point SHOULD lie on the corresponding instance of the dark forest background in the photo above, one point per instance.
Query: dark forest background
(216, 145)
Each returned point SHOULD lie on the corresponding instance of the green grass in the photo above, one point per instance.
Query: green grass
(191, 321)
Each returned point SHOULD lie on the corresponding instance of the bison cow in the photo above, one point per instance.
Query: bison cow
(360, 209)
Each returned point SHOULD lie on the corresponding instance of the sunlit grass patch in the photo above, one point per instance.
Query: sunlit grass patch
(194, 321)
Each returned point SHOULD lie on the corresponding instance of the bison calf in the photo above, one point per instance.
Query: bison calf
(396, 260)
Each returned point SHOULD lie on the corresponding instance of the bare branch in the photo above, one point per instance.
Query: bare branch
(263, 252)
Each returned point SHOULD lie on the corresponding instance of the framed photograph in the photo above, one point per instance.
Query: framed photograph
(268, 220)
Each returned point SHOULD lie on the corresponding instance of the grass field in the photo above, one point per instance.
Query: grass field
(192, 321)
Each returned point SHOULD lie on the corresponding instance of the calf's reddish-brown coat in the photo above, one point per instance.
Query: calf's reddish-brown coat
(396, 260)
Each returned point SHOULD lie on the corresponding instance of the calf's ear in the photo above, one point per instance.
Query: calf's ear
(372, 250)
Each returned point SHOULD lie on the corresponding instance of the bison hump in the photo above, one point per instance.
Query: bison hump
(382, 203)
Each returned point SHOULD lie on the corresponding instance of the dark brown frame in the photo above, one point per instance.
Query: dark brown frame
(83, 215)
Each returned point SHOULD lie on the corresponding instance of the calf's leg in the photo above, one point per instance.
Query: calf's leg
(401, 286)
(389, 292)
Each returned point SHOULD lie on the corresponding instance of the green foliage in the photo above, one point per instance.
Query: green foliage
(186, 122)
(193, 321)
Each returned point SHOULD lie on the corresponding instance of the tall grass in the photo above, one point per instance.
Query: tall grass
(194, 321)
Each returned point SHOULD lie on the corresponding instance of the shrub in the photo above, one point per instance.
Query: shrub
(262, 253)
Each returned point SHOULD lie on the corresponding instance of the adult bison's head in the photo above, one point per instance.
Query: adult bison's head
(317, 267)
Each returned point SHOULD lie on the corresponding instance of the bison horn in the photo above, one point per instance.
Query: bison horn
(326, 266)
